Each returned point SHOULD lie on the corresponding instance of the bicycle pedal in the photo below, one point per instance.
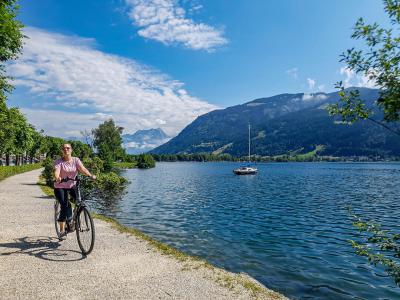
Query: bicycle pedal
(70, 227)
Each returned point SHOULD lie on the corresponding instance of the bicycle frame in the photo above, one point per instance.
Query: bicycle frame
(79, 201)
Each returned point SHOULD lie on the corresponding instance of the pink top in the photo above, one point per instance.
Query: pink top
(67, 169)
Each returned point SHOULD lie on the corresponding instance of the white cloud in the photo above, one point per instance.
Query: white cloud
(49, 120)
(165, 21)
(293, 72)
(311, 83)
(314, 97)
(73, 73)
(353, 79)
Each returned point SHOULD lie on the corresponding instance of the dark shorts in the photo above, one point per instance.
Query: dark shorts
(62, 197)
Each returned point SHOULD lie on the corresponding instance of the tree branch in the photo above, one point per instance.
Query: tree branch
(384, 126)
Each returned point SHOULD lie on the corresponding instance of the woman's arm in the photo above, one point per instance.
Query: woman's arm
(57, 174)
(85, 171)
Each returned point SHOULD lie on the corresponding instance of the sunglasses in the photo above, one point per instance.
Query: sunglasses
(66, 148)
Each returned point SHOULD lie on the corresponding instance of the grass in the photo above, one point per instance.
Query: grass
(310, 154)
(7, 171)
(296, 155)
(125, 165)
(231, 281)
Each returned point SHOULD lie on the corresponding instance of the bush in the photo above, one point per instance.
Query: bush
(146, 161)
(7, 171)
(94, 165)
(125, 165)
(48, 172)
(110, 181)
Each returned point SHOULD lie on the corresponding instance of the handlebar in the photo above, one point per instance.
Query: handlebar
(68, 179)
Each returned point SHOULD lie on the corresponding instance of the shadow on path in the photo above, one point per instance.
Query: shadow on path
(42, 247)
(45, 197)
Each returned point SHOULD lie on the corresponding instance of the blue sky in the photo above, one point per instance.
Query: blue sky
(161, 63)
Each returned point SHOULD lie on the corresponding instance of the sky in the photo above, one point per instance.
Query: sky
(162, 63)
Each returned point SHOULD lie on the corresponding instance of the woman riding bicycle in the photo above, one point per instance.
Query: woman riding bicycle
(67, 166)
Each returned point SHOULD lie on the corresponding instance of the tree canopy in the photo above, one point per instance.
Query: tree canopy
(380, 63)
(11, 37)
(108, 140)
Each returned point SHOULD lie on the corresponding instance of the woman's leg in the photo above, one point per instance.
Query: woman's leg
(72, 193)
(62, 197)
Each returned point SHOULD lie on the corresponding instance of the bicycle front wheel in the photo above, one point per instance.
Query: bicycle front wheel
(85, 230)
(57, 210)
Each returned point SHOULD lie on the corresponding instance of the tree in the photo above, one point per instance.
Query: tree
(17, 135)
(80, 149)
(108, 140)
(10, 46)
(380, 63)
(10, 42)
(51, 146)
(145, 161)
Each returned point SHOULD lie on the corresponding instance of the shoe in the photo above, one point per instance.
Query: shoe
(62, 236)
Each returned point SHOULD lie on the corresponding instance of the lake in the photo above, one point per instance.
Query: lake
(287, 226)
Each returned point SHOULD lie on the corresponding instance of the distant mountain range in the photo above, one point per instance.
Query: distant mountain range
(284, 124)
(144, 140)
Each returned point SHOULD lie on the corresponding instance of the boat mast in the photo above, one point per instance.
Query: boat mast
(249, 142)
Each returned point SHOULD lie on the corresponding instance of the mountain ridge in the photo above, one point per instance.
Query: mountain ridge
(281, 124)
(144, 140)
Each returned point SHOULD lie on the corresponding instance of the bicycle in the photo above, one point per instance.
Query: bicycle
(81, 220)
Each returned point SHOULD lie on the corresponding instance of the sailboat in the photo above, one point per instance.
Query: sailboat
(246, 170)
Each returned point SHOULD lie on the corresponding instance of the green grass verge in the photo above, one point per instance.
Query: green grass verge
(229, 280)
(7, 171)
(124, 165)
(310, 154)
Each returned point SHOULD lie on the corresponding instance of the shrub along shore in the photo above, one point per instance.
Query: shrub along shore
(7, 171)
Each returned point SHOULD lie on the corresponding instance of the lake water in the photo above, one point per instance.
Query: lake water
(287, 227)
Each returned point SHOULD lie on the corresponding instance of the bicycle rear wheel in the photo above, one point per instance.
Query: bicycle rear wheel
(85, 230)
(57, 210)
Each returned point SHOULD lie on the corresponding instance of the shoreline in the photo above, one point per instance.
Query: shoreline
(235, 282)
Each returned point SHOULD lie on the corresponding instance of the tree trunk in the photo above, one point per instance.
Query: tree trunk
(7, 159)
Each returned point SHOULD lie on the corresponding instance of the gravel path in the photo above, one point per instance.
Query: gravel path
(34, 264)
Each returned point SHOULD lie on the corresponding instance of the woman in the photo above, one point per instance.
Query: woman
(67, 166)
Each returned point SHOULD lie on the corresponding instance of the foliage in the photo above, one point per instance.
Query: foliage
(95, 165)
(124, 165)
(17, 133)
(145, 161)
(80, 149)
(351, 108)
(380, 63)
(110, 181)
(7, 171)
(108, 140)
(48, 172)
(10, 41)
(52, 146)
(381, 247)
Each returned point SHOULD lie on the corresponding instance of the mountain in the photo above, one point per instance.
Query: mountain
(143, 140)
(284, 124)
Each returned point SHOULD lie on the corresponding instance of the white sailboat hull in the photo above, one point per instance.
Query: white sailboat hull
(245, 171)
